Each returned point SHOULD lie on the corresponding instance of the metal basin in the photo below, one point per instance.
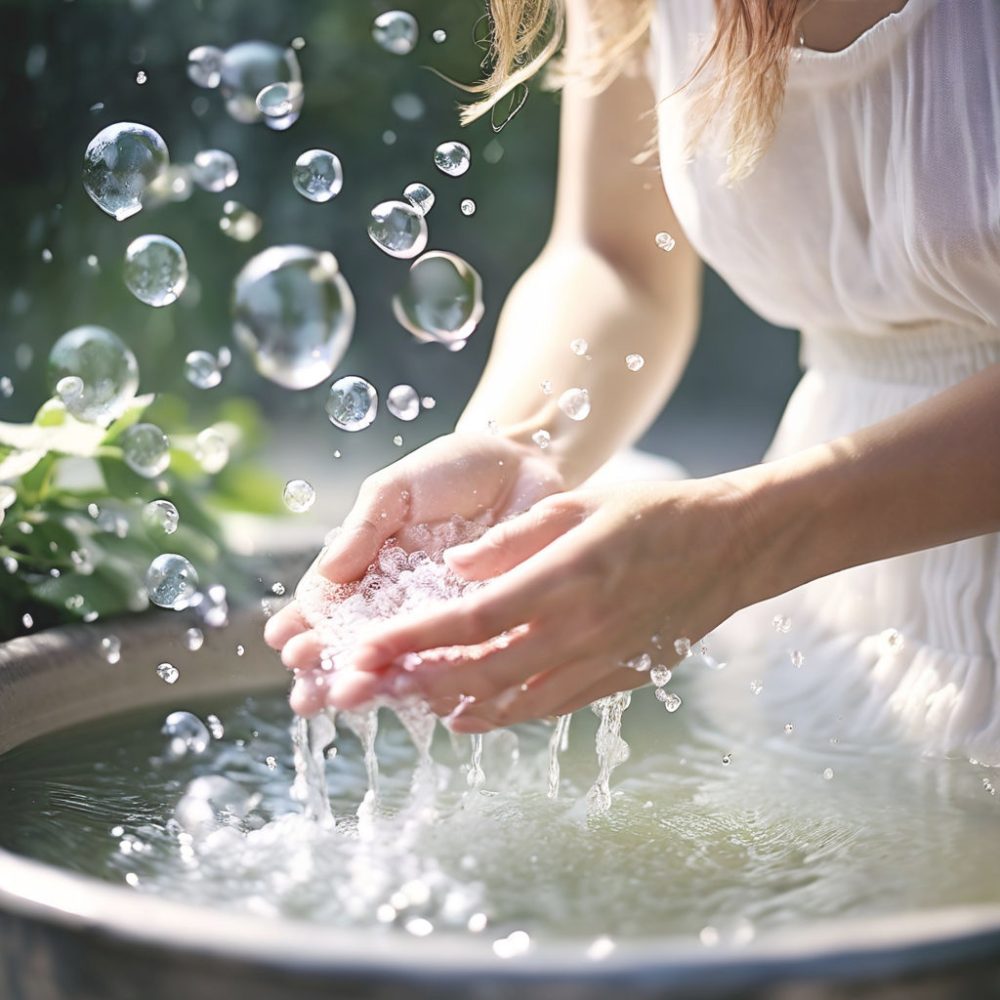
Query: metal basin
(64, 935)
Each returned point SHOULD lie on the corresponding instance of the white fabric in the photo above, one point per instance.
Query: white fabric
(872, 224)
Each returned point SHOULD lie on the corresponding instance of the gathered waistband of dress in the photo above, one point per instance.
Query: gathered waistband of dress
(924, 354)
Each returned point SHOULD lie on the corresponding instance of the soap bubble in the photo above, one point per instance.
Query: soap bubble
(665, 241)
(403, 402)
(420, 196)
(215, 169)
(106, 370)
(634, 362)
(211, 449)
(442, 299)
(205, 66)
(468, 206)
(238, 222)
(146, 450)
(352, 403)
(278, 100)
(121, 161)
(160, 515)
(188, 734)
(250, 67)
(156, 270)
(575, 403)
(111, 649)
(171, 581)
(298, 495)
(396, 31)
(167, 673)
(579, 347)
(452, 158)
(398, 228)
(318, 175)
(293, 313)
(202, 370)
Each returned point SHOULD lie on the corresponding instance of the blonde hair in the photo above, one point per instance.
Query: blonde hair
(742, 73)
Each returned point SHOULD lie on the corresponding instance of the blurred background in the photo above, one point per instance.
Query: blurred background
(71, 67)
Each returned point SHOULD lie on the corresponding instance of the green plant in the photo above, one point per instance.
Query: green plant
(74, 544)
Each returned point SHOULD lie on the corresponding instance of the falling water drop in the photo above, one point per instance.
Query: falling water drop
(420, 196)
(352, 403)
(202, 370)
(156, 269)
(105, 371)
(205, 66)
(634, 362)
(298, 495)
(468, 206)
(398, 228)
(160, 516)
(215, 170)
(403, 402)
(318, 175)
(187, 733)
(121, 161)
(171, 581)
(575, 403)
(452, 158)
(396, 31)
(277, 100)
(442, 299)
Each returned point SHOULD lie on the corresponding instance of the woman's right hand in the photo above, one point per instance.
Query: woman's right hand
(480, 477)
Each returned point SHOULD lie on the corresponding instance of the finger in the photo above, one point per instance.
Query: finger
(284, 625)
(350, 689)
(307, 697)
(508, 544)
(303, 651)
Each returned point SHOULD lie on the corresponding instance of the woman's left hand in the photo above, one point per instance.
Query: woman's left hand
(579, 585)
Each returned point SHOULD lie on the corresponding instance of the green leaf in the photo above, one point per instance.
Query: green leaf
(248, 488)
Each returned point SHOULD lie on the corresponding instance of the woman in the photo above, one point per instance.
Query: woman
(838, 162)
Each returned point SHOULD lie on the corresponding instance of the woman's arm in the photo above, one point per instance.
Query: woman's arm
(601, 278)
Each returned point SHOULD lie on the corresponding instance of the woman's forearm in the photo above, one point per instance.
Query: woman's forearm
(574, 293)
(926, 477)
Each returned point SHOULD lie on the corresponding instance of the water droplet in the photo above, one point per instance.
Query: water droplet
(298, 43)
(439, 35)
(204, 67)
(27, 621)
(600, 948)
(278, 588)
(240, 649)
(398, 228)
(10, 564)
(131, 879)
(546, 386)
(146, 450)
(277, 100)
(428, 402)
(352, 403)
(215, 726)
(397, 440)
(408, 106)
(156, 269)
(187, 733)
(201, 369)
(516, 943)
(272, 763)
(828, 774)
(167, 673)
(756, 686)
(171, 581)
(727, 758)
(194, 639)
(672, 701)
(797, 658)
(890, 642)
(121, 161)
(419, 927)
(641, 663)
(111, 649)
(665, 241)
(468, 206)
(660, 675)
(403, 402)
(389, 137)
(781, 624)
(298, 495)
(160, 515)
(579, 347)
(452, 158)
(214, 170)
(318, 175)
(211, 450)
(6, 387)
(420, 196)
(682, 646)
(249, 67)
(789, 727)
(542, 438)
(575, 403)
(396, 31)
(442, 299)
(225, 357)
(634, 362)
(239, 223)
(294, 314)
(141, 77)
(661, 694)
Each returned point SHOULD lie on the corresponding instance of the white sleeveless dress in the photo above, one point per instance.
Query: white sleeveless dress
(872, 224)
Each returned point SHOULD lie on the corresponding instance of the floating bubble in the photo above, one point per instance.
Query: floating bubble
(111, 649)
(293, 313)
(171, 581)
(141, 77)
(27, 621)
(202, 370)
(146, 450)
(442, 299)
(271, 762)
(318, 175)
(468, 206)
(352, 403)
(634, 362)
(161, 515)
(239, 222)
(665, 241)
(396, 31)
(579, 347)
(104, 370)
(420, 196)
(188, 734)
(120, 163)
(277, 100)
(452, 158)
(215, 170)
(211, 450)
(298, 495)
(408, 106)
(660, 675)
(403, 402)
(194, 639)
(172, 184)
(156, 269)
(167, 673)
(389, 137)
(250, 67)
(398, 228)
(575, 403)
(205, 66)
(542, 438)
(439, 35)
(6, 387)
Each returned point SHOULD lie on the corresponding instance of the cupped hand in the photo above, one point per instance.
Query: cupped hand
(580, 586)
(479, 477)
